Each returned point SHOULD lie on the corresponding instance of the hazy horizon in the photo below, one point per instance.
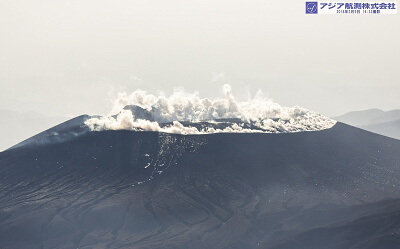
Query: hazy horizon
(66, 58)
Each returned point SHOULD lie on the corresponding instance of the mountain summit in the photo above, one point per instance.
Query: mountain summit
(143, 189)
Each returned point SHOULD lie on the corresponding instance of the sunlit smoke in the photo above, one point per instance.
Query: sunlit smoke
(180, 112)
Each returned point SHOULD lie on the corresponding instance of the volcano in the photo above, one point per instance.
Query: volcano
(70, 187)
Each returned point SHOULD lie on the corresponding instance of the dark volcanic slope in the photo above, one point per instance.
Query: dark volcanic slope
(123, 189)
(374, 231)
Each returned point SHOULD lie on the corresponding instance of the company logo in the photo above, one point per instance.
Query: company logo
(311, 7)
(327, 7)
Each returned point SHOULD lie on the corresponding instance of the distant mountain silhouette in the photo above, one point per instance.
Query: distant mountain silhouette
(374, 120)
(368, 117)
(390, 129)
(136, 189)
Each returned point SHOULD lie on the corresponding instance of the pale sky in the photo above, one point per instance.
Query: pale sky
(71, 57)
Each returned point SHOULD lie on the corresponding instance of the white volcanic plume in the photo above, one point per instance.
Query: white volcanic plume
(264, 114)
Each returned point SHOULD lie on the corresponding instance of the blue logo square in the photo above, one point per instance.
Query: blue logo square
(311, 7)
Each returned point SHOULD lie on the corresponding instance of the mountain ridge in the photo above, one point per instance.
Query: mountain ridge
(374, 120)
(124, 189)
(368, 117)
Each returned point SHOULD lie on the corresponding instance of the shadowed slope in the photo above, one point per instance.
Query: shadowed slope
(379, 228)
(124, 189)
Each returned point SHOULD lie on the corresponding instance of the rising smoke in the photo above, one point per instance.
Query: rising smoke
(169, 113)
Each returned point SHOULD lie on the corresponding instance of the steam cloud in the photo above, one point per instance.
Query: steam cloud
(179, 112)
